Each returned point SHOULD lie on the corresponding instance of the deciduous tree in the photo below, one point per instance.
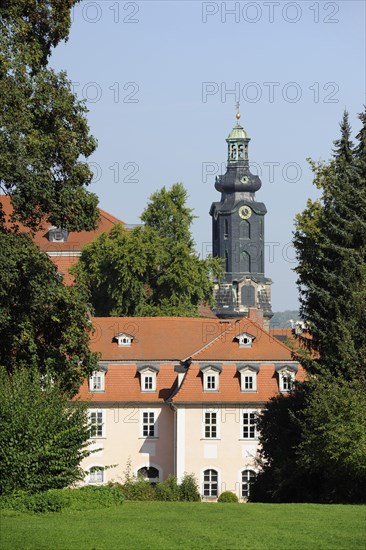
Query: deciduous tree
(43, 436)
(150, 270)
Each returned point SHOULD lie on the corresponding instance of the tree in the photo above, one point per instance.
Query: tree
(43, 324)
(150, 270)
(43, 436)
(330, 240)
(44, 137)
(313, 444)
(314, 440)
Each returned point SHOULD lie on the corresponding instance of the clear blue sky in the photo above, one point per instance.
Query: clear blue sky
(157, 78)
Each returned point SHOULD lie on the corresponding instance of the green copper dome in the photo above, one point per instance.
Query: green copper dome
(238, 132)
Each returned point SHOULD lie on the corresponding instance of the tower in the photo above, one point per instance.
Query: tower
(238, 235)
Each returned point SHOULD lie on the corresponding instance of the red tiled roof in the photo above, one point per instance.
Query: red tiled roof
(226, 347)
(63, 264)
(229, 391)
(123, 384)
(179, 338)
(176, 339)
(75, 241)
(155, 338)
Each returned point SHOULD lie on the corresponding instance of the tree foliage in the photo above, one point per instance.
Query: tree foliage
(330, 240)
(150, 270)
(44, 135)
(43, 437)
(43, 324)
(313, 444)
(314, 440)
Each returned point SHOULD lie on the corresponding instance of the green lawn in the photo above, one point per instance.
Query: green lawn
(160, 525)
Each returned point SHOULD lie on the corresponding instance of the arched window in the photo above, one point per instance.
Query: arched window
(244, 229)
(244, 262)
(149, 473)
(226, 229)
(96, 475)
(210, 483)
(226, 261)
(247, 480)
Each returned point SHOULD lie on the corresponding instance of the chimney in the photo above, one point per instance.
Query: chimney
(256, 315)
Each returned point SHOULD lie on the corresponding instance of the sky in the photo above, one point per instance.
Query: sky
(161, 80)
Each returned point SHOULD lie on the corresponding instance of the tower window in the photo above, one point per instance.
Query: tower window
(226, 229)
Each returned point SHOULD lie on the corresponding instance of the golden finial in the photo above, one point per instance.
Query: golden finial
(237, 111)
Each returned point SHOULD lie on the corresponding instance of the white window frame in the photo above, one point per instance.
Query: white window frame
(99, 415)
(124, 340)
(96, 476)
(252, 432)
(211, 380)
(211, 484)
(145, 421)
(145, 376)
(286, 380)
(211, 423)
(245, 340)
(93, 384)
(248, 373)
(247, 482)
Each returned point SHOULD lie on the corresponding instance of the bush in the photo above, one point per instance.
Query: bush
(55, 500)
(189, 489)
(227, 496)
(138, 489)
(49, 501)
(168, 490)
(93, 497)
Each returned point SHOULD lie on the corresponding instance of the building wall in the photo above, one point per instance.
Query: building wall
(229, 453)
(122, 441)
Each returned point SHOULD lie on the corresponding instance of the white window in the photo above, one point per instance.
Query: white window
(245, 340)
(97, 428)
(211, 378)
(249, 424)
(286, 379)
(210, 425)
(148, 381)
(248, 382)
(96, 381)
(149, 424)
(96, 475)
(247, 479)
(210, 483)
(123, 339)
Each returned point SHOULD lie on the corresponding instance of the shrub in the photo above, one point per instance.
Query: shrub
(168, 490)
(93, 497)
(227, 496)
(138, 489)
(54, 500)
(189, 489)
(48, 501)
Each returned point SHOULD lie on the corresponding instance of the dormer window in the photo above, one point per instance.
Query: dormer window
(286, 377)
(148, 374)
(57, 235)
(245, 340)
(124, 339)
(248, 377)
(97, 380)
(211, 375)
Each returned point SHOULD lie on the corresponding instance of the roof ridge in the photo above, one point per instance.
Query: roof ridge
(110, 217)
(231, 324)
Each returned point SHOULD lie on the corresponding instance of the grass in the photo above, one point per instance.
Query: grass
(185, 525)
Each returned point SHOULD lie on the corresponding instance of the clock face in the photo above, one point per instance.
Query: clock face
(245, 212)
(244, 179)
